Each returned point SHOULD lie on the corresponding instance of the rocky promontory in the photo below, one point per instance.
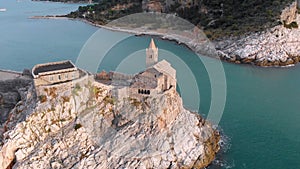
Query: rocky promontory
(277, 46)
(87, 127)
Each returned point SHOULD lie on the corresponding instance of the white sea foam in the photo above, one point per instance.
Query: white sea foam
(225, 145)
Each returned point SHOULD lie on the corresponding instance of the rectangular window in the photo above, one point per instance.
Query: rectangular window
(59, 77)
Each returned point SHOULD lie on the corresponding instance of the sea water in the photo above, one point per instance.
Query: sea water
(261, 117)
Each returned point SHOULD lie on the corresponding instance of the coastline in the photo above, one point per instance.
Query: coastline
(179, 39)
(219, 53)
(48, 17)
(67, 2)
(247, 84)
(76, 113)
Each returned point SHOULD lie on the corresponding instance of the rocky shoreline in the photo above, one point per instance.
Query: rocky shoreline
(194, 39)
(276, 47)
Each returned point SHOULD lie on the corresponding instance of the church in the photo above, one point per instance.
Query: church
(158, 77)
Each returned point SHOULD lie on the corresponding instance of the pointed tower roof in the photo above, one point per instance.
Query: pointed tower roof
(152, 44)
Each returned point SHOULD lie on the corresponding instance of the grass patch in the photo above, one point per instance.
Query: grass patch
(65, 99)
(76, 89)
(43, 115)
(52, 108)
(291, 25)
(97, 91)
(77, 126)
(43, 98)
(53, 92)
(109, 100)
(63, 120)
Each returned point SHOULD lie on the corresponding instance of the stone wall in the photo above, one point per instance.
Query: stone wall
(44, 89)
(134, 92)
(127, 92)
(56, 78)
(160, 83)
(165, 82)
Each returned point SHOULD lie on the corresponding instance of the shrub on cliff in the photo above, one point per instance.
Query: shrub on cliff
(291, 25)
(43, 98)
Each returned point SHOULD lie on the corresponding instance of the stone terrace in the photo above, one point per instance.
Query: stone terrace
(9, 75)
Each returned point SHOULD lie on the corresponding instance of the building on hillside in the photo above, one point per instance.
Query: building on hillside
(158, 77)
(152, 6)
(54, 73)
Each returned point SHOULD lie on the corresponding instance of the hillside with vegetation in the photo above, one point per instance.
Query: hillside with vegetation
(217, 18)
(106, 11)
(69, 1)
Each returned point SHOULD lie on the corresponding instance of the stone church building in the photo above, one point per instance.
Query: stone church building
(158, 77)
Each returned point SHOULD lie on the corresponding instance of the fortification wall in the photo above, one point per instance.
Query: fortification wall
(56, 78)
(69, 85)
(119, 76)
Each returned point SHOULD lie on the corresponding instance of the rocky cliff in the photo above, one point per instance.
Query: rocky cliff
(86, 127)
(277, 46)
(16, 96)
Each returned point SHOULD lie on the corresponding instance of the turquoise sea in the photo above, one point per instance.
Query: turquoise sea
(261, 120)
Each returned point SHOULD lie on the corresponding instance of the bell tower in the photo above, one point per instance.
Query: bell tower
(151, 54)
